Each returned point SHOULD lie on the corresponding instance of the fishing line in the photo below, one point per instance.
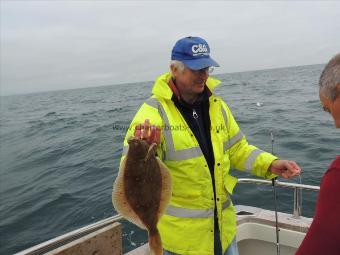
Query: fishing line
(275, 202)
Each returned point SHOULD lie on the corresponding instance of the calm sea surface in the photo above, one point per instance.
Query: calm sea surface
(60, 150)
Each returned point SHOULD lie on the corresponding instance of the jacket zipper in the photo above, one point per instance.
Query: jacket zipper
(195, 116)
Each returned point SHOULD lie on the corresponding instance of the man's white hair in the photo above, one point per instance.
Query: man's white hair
(178, 64)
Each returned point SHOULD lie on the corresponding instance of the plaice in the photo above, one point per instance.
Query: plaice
(142, 190)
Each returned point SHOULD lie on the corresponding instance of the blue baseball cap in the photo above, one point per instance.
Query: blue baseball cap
(193, 52)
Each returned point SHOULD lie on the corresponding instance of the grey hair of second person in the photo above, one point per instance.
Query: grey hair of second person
(330, 78)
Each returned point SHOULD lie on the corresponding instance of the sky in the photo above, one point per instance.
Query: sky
(57, 45)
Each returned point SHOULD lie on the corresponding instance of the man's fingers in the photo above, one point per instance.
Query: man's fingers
(158, 135)
(155, 135)
(294, 168)
(138, 131)
(146, 129)
(150, 133)
(147, 123)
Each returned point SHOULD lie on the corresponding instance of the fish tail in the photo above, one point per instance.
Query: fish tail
(155, 243)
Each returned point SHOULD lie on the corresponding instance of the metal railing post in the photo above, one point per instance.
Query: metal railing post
(297, 202)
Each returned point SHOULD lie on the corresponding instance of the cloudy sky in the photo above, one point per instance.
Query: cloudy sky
(52, 45)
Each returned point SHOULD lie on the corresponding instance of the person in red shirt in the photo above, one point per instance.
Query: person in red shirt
(323, 236)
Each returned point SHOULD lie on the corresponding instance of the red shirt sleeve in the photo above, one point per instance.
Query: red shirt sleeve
(323, 236)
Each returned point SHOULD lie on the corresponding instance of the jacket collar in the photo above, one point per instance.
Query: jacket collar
(162, 88)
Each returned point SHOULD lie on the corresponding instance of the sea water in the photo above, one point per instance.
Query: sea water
(60, 150)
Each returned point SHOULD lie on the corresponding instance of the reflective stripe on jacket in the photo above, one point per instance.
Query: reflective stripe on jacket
(187, 227)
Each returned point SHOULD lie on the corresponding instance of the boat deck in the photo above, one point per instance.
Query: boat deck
(258, 216)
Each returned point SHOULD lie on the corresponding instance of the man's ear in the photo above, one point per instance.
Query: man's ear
(337, 91)
(338, 88)
(174, 70)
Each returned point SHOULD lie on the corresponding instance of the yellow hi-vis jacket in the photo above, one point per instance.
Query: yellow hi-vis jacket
(187, 227)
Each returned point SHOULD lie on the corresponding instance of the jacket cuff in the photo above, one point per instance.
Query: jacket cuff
(269, 174)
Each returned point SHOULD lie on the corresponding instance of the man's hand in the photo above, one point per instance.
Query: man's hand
(151, 134)
(285, 168)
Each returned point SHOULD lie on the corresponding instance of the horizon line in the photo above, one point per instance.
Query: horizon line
(131, 83)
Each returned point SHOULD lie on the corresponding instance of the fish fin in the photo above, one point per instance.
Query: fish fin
(166, 188)
(151, 151)
(120, 202)
(155, 243)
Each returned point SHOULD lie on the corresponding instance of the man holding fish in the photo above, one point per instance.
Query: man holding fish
(198, 140)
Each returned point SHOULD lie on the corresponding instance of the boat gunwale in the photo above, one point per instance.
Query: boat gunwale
(71, 236)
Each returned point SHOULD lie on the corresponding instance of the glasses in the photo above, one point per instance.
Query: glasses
(207, 70)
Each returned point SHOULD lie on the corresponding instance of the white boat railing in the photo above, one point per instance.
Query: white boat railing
(71, 236)
(296, 186)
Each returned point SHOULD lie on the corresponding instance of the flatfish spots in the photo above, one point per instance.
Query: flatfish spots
(142, 190)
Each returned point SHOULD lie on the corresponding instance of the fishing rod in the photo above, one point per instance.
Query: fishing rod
(275, 202)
